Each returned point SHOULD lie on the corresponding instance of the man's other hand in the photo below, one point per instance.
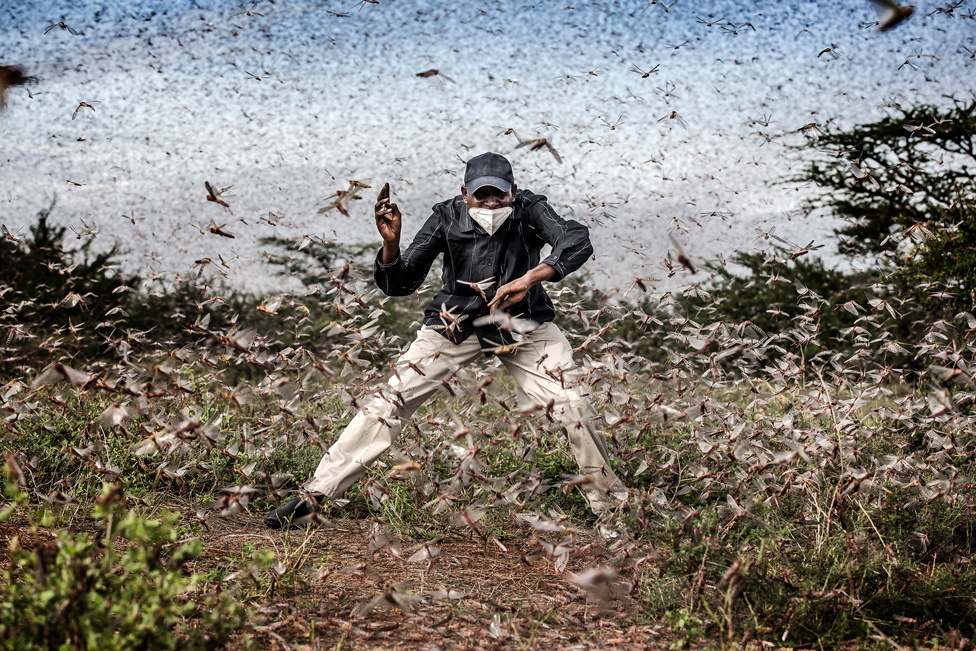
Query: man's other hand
(513, 292)
(510, 293)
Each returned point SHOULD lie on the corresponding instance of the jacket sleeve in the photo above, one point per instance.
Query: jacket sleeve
(569, 239)
(407, 273)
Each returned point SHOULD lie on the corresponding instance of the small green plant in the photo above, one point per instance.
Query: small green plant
(122, 589)
(686, 627)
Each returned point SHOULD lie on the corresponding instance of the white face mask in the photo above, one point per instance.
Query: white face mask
(490, 219)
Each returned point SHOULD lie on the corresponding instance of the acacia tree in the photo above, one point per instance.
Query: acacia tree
(905, 187)
(939, 267)
(903, 170)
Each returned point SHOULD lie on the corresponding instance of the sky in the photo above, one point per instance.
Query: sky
(290, 105)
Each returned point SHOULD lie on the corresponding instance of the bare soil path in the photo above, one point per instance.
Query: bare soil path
(508, 603)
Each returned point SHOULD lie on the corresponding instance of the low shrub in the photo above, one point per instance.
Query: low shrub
(122, 588)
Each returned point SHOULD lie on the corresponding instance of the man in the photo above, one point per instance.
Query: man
(491, 237)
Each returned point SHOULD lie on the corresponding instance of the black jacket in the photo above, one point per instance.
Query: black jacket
(470, 254)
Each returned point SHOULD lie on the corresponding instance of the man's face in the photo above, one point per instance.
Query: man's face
(488, 196)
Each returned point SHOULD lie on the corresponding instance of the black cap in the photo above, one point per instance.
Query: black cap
(488, 169)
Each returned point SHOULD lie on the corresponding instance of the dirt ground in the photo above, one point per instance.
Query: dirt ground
(509, 604)
(497, 601)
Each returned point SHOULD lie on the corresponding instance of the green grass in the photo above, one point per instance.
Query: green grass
(878, 563)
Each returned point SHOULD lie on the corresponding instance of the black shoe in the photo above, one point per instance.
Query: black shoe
(283, 516)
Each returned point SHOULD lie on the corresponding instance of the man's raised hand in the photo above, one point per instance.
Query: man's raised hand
(388, 224)
(387, 216)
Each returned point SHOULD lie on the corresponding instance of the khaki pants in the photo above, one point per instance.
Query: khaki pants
(378, 424)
